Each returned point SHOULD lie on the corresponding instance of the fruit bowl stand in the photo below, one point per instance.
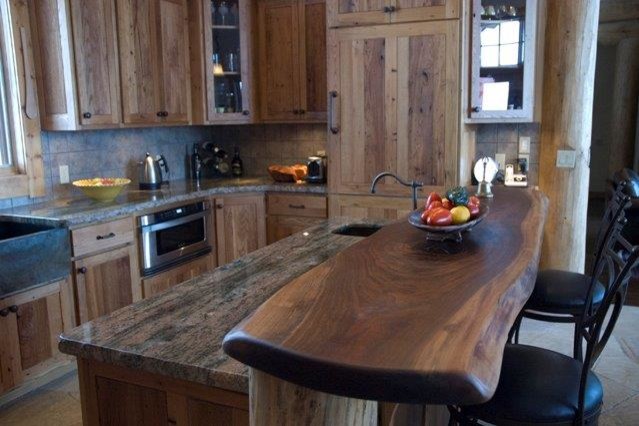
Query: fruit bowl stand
(449, 232)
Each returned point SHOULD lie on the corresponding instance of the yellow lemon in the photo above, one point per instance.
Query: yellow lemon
(461, 214)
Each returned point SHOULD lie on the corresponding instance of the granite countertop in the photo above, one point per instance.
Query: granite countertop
(82, 210)
(179, 333)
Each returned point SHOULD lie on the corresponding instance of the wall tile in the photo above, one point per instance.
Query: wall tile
(508, 133)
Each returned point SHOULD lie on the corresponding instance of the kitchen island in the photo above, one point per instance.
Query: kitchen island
(161, 359)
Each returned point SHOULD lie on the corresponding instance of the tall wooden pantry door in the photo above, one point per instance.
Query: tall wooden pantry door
(393, 105)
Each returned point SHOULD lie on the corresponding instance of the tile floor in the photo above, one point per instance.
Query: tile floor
(58, 404)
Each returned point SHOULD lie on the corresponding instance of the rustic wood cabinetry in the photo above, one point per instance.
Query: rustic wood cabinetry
(345, 13)
(394, 105)
(288, 214)
(76, 63)
(240, 224)
(105, 268)
(154, 62)
(292, 60)
(30, 323)
(177, 275)
(369, 206)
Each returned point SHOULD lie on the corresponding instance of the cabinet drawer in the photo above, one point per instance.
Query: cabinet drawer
(297, 205)
(101, 237)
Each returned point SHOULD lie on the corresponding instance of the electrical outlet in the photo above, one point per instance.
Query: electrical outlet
(64, 174)
(525, 157)
(566, 159)
(524, 145)
(500, 158)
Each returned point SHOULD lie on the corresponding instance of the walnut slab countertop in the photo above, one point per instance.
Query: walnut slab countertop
(81, 210)
(179, 333)
(393, 319)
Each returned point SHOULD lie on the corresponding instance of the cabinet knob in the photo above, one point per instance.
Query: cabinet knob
(296, 111)
(475, 109)
(4, 312)
(13, 308)
(302, 111)
(160, 114)
(87, 115)
(246, 112)
(165, 113)
(82, 270)
(389, 9)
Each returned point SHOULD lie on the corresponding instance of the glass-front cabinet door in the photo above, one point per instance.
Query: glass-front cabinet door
(227, 33)
(503, 53)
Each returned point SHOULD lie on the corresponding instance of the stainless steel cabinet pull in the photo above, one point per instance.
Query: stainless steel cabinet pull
(332, 121)
(296, 206)
(105, 237)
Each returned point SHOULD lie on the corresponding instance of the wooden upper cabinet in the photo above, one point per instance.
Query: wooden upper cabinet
(96, 62)
(395, 106)
(292, 60)
(154, 63)
(174, 61)
(241, 226)
(348, 13)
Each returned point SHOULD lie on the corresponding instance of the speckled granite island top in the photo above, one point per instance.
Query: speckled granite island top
(81, 210)
(179, 333)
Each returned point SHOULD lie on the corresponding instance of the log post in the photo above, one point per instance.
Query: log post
(568, 82)
(275, 402)
(624, 110)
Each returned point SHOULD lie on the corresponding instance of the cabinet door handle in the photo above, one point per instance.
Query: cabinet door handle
(302, 111)
(105, 237)
(4, 312)
(87, 115)
(332, 119)
(219, 206)
(165, 113)
(246, 112)
(389, 9)
(13, 308)
(296, 206)
(475, 109)
(82, 270)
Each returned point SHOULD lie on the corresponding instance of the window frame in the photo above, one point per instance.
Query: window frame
(26, 176)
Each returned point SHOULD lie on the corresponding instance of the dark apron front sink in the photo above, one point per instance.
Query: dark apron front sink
(357, 230)
(33, 252)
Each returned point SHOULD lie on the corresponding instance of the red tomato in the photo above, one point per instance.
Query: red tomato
(440, 217)
(434, 205)
(433, 196)
(447, 204)
(474, 200)
(474, 210)
(424, 216)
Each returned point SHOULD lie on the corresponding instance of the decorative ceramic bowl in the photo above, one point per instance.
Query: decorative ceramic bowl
(446, 233)
(102, 189)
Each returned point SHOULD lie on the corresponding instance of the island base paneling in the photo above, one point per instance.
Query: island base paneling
(369, 206)
(119, 396)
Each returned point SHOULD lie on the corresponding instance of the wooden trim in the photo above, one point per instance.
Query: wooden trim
(31, 295)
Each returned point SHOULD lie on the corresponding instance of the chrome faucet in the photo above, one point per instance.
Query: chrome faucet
(412, 184)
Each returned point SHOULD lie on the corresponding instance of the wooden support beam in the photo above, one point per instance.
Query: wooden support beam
(624, 110)
(274, 402)
(568, 83)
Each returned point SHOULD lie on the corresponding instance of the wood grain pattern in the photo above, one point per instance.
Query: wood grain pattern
(296, 205)
(398, 89)
(85, 240)
(241, 226)
(177, 275)
(312, 16)
(10, 369)
(393, 319)
(96, 61)
(280, 227)
(123, 404)
(356, 12)
(424, 10)
(276, 402)
(369, 207)
(568, 86)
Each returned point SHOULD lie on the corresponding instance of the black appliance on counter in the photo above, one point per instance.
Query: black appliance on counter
(316, 169)
(175, 236)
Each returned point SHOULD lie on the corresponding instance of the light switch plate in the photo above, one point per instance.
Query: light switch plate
(64, 174)
(566, 159)
(500, 158)
(524, 144)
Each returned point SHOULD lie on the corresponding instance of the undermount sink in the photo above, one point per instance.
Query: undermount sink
(33, 252)
(358, 230)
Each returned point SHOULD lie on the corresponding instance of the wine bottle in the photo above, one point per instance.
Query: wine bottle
(236, 165)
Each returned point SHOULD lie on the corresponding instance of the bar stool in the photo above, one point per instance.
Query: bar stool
(559, 296)
(540, 386)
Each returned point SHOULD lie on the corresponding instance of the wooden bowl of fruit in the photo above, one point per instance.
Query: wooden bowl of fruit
(444, 219)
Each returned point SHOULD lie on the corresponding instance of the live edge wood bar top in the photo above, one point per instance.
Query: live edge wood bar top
(391, 318)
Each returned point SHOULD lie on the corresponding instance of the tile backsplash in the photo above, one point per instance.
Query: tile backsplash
(116, 152)
(504, 138)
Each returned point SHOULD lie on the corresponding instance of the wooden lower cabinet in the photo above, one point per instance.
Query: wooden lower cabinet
(119, 396)
(177, 275)
(369, 206)
(288, 214)
(30, 323)
(280, 227)
(106, 282)
(240, 224)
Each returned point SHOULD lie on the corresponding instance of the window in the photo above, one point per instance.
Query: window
(501, 44)
(6, 160)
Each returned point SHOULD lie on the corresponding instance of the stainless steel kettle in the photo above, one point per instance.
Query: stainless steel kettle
(151, 172)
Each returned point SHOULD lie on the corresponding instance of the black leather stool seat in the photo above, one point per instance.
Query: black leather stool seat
(538, 386)
(562, 292)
